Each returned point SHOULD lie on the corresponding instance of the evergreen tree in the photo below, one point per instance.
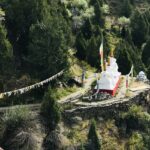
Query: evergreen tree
(6, 53)
(81, 47)
(50, 110)
(127, 55)
(49, 43)
(128, 36)
(93, 52)
(123, 32)
(20, 15)
(93, 2)
(126, 9)
(123, 58)
(139, 29)
(132, 2)
(98, 18)
(94, 141)
(148, 73)
(87, 29)
(146, 53)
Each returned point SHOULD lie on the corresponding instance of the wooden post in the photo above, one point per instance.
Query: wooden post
(83, 77)
(105, 65)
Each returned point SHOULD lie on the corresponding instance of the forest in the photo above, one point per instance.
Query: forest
(36, 36)
(38, 39)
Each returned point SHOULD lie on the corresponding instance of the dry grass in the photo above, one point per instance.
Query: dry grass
(107, 131)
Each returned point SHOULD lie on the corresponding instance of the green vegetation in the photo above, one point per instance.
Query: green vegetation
(136, 123)
(36, 37)
(14, 130)
(93, 139)
(139, 29)
(50, 110)
(16, 117)
(62, 92)
(126, 8)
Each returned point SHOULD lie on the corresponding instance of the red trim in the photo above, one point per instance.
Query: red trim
(112, 92)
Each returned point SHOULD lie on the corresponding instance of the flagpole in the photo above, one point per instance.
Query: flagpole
(102, 55)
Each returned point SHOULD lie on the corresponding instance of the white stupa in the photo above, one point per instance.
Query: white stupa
(110, 78)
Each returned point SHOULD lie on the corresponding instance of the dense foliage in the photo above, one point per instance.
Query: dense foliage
(35, 36)
(50, 110)
(136, 124)
(14, 130)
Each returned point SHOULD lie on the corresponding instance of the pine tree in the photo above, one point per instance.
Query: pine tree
(49, 43)
(50, 110)
(20, 15)
(95, 143)
(132, 2)
(146, 53)
(128, 36)
(98, 18)
(93, 2)
(93, 51)
(123, 58)
(81, 45)
(6, 53)
(87, 29)
(148, 73)
(139, 29)
(126, 9)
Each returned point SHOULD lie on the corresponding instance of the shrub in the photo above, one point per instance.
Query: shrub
(50, 110)
(13, 124)
(135, 142)
(17, 117)
(20, 140)
(136, 118)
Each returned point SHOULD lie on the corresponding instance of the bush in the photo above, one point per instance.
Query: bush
(136, 118)
(13, 124)
(50, 110)
(17, 117)
(135, 142)
(20, 140)
(2, 128)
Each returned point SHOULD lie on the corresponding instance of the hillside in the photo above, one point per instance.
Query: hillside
(50, 60)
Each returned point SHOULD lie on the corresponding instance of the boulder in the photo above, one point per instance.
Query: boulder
(76, 120)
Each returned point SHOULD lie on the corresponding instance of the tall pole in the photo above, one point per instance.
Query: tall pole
(102, 55)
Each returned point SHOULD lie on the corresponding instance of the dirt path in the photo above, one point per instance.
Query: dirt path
(80, 92)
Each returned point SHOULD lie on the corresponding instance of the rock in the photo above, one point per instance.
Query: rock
(76, 120)
(100, 119)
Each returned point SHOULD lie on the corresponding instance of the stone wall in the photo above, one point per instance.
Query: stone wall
(112, 109)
